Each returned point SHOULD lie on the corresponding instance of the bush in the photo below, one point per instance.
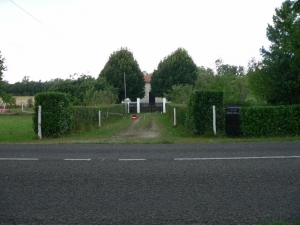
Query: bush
(270, 120)
(56, 114)
(199, 112)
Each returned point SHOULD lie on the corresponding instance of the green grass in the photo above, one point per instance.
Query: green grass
(17, 128)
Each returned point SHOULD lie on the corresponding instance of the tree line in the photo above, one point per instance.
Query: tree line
(274, 80)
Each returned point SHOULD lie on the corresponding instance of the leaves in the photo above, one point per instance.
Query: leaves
(178, 68)
(277, 77)
(120, 64)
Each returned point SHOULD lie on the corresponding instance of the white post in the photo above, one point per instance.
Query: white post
(214, 120)
(164, 105)
(40, 122)
(138, 109)
(174, 117)
(22, 107)
(4, 105)
(128, 107)
(99, 118)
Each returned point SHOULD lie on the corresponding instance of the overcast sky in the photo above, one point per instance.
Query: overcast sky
(78, 36)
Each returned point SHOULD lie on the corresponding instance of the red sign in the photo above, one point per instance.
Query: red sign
(133, 117)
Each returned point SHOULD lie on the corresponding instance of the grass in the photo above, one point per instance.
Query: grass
(17, 128)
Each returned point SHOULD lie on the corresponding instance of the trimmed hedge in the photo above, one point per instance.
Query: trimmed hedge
(199, 112)
(180, 112)
(86, 118)
(270, 120)
(56, 115)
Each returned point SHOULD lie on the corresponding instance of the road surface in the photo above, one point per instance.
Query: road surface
(233, 183)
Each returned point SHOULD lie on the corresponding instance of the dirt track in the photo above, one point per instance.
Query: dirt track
(134, 132)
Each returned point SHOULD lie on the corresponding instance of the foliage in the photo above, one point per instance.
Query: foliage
(30, 103)
(87, 117)
(233, 86)
(102, 97)
(8, 99)
(56, 114)
(27, 87)
(2, 68)
(76, 88)
(228, 70)
(178, 68)
(280, 68)
(179, 94)
(180, 112)
(270, 120)
(120, 64)
(199, 112)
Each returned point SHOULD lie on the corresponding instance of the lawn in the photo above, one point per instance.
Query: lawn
(16, 128)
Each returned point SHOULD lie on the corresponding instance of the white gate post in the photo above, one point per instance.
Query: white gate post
(99, 118)
(174, 117)
(138, 109)
(214, 120)
(40, 122)
(164, 105)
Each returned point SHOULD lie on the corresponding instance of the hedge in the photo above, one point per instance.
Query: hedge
(270, 120)
(199, 112)
(56, 116)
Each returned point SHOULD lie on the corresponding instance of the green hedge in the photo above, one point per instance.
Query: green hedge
(199, 112)
(180, 112)
(57, 114)
(86, 118)
(270, 120)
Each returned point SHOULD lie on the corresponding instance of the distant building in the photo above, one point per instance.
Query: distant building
(147, 78)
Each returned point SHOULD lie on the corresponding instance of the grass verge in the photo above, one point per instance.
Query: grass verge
(18, 129)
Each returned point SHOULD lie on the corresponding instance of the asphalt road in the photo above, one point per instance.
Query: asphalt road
(247, 183)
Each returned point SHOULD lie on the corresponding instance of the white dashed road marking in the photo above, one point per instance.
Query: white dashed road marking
(77, 159)
(19, 159)
(239, 158)
(132, 159)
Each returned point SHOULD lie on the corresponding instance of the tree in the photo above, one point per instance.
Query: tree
(178, 68)
(280, 66)
(2, 68)
(179, 94)
(120, 64)
(228, 70)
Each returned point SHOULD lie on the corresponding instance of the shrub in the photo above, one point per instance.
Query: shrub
(56, 114)
(199, 112)
(270, 120)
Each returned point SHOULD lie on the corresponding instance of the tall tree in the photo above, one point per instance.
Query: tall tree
(177, 68)
(280, 66)
(122, 64)
(2, 68)
(228, 70)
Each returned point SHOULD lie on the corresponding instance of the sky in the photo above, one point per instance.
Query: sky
(49, 39)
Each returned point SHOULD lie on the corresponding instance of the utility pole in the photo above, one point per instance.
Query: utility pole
(125, 85)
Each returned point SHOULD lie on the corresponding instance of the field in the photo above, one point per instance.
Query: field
(23, 99)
